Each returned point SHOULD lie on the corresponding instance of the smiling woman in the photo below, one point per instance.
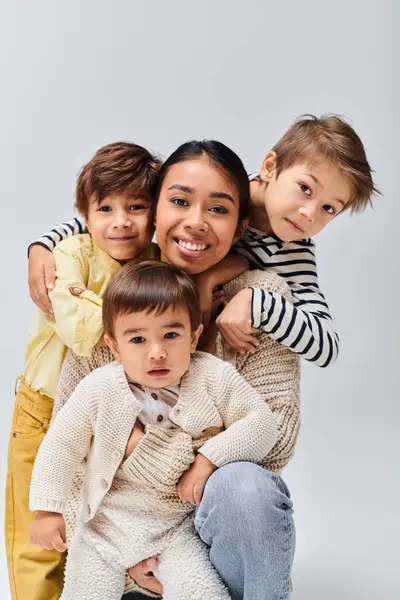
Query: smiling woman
(201, 203)
(202, 200)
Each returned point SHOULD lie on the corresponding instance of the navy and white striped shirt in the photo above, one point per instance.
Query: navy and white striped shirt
(305, 326)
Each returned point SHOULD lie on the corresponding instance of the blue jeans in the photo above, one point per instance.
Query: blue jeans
(245, 517)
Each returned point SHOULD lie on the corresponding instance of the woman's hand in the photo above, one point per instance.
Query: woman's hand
(142, 574)
(41, 277)
(210, 298)
(235, 326)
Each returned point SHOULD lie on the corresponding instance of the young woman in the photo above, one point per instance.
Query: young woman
(245, 516)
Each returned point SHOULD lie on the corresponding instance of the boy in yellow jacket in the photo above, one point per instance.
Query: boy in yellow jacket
(114, 195)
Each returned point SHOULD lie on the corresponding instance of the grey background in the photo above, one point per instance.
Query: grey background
(76, 75)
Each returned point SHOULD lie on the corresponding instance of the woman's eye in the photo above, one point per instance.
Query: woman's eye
(138, 339)
(105, 208)
(304, 188)
(171, 335)
(179, 201)
(329, 209)
(220, 210)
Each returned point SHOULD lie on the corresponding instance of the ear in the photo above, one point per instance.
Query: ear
(87, 223)
(195, 338)
(268, 167)
(112, 344)
(241, 228)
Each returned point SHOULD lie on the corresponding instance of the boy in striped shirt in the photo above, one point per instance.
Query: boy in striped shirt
(317, 170)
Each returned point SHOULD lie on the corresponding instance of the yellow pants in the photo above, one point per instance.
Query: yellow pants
(34, 573)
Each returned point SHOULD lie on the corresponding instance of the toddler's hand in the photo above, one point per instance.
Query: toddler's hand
(41, 277)
(48, 531)
(136, 435)
(191, 484)
(235, 326)
(142, 574)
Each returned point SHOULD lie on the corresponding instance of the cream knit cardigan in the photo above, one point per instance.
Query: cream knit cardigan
(99, 417)
(274, 371)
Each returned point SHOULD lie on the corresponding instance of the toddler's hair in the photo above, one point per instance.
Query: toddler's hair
(117, 168)
(313, 139)
(152, 286)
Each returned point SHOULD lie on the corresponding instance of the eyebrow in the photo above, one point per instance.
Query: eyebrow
(317, 181)
(133, 330)
(173, 325)
(189, 190)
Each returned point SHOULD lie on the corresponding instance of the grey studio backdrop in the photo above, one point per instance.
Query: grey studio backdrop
(76, 75)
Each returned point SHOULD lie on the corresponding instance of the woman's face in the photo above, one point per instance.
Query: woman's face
(197, 216)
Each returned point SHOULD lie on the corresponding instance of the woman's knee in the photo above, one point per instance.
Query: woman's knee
(243, 487)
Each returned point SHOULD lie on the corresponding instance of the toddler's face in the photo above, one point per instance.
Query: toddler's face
(303, 199)
(154, 349)
(120, 225)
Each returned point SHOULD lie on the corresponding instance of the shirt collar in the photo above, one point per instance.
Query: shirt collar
(109, 263)
(172, 387)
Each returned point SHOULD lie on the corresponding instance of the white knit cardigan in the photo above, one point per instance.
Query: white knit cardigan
(97, 420)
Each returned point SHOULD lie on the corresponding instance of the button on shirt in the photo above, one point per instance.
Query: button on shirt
(157, 403)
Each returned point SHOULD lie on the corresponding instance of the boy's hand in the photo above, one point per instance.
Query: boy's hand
(41, 277)
(136, 435)
(235, 326)
(191, 484)
(48, 531)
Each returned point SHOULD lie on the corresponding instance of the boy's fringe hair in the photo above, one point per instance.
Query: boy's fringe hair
(117, 168)
(151, 286)
(313, 139)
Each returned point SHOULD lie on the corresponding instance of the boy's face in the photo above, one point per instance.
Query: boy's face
(303, 199)
(154, 349)
(120, 225)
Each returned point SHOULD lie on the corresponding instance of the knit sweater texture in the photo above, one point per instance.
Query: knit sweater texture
(274, 371)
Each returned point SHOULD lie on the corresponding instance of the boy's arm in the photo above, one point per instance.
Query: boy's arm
(303, 324)
(50, 239)
(227, 269)
(77, 311)
(251, 428)
(306, 326)
(65, 445)
(41, 276)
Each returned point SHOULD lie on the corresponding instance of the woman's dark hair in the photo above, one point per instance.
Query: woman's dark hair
(219, 155)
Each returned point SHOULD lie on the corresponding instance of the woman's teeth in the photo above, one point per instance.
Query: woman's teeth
(190, 246)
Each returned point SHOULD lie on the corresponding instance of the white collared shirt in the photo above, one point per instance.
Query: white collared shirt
(156, 403)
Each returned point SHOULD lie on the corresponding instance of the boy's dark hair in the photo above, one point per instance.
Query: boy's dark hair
(220, 156)
(119, 167)
(311, 139)
(151, 286)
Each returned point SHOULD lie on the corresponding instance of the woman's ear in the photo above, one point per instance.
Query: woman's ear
(268, 167)
(112, 344)
(195, 338)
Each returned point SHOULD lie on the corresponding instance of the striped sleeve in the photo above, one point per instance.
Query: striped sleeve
(60, 232)
(306, 326)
